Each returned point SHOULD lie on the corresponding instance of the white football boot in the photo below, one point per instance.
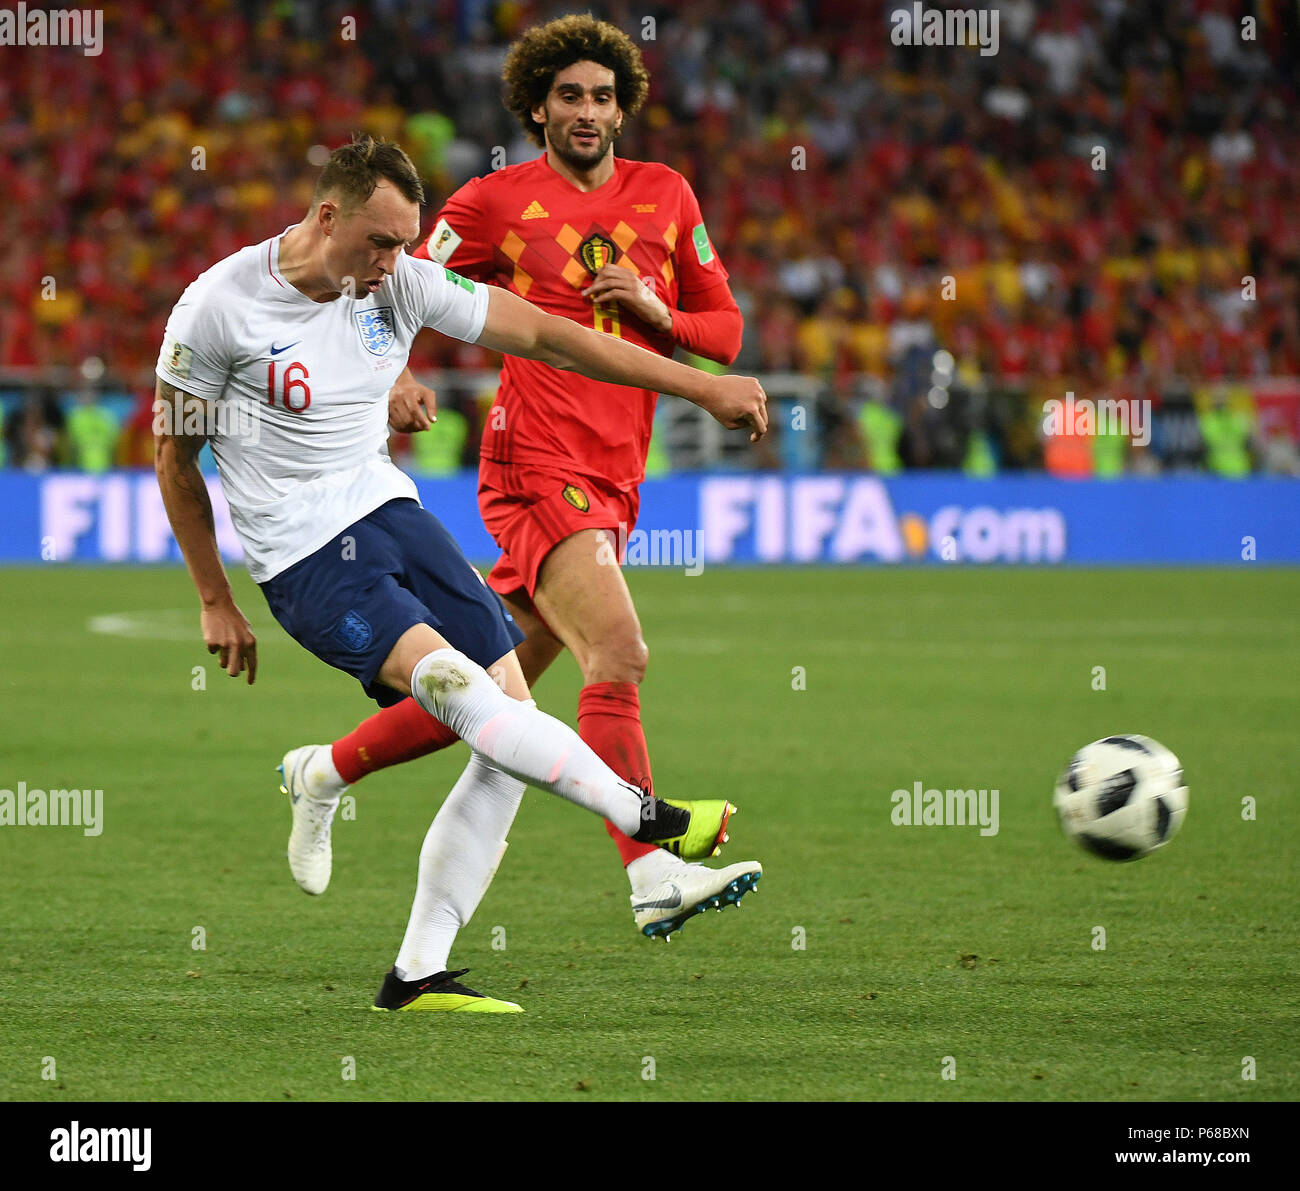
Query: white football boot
(310, 856)
(690, 889)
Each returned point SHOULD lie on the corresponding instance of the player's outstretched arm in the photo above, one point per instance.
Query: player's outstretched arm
(518, 328)
(189, 509)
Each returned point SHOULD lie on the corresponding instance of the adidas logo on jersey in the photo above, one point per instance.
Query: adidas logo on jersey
(535, 210)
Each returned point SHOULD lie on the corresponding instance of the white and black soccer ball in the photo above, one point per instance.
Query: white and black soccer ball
(1122, 797)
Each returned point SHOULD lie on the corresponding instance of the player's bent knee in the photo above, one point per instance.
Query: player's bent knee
(621, 660)
(453, 689)
(417, 642)
(440, 675)
(640, 658)
(458, 691)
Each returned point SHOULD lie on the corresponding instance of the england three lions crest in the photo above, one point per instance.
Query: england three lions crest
(376, 329)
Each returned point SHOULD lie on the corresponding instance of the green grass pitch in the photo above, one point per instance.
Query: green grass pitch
(921, 944)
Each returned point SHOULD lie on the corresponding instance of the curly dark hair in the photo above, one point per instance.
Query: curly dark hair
(545, 50)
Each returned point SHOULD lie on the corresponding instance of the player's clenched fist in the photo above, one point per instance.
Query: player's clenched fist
(228, 633)
(739, 401)
(411, 406)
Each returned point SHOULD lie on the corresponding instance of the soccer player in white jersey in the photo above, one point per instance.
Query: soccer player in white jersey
(291, 346)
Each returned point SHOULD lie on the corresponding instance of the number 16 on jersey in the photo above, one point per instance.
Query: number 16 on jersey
(295, 392)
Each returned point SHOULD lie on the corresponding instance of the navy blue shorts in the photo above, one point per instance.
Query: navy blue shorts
(350, 601)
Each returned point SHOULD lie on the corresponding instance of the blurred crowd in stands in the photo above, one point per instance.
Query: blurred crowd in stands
(943, 241)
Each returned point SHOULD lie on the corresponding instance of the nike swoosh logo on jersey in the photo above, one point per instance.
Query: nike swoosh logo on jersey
(275, 351)
(661, 904)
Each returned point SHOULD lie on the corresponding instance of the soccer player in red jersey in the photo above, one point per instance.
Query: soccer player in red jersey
(620, 246)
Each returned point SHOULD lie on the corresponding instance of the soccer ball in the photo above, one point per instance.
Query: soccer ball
(1122, 797)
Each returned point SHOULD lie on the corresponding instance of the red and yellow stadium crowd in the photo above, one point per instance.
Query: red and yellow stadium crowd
(1107, 206)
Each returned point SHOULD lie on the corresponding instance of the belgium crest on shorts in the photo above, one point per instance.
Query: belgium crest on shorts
(576, 497)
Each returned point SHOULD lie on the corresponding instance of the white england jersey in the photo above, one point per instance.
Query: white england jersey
(300, 415)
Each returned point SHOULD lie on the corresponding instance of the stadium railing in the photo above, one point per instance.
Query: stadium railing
(818, 423)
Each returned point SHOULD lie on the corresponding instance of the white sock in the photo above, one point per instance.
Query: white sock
(645, 872)
(323, 781)
(527, 743)
(458, 860)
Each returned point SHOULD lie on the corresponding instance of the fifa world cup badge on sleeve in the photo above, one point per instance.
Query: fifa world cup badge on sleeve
(442, 242)
(178, 358)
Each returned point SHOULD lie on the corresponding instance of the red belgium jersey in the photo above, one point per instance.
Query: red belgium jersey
(530, 230)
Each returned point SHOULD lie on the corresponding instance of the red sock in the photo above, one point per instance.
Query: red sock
(396, 734)
(609, 720)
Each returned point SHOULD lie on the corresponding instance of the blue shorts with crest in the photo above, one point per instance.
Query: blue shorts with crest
(350, 601)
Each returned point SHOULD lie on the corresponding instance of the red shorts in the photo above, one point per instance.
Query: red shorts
(529, 510)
